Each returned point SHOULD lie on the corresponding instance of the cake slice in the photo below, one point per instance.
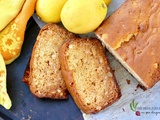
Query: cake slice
(87, 74)
(132, 35)
(45, 78)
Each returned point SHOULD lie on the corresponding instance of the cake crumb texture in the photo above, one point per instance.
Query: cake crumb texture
(46, 80)
(88, 75)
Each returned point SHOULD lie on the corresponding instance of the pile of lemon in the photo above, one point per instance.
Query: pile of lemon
(77, 16)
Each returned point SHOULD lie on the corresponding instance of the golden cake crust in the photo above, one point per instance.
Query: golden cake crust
(132, 35)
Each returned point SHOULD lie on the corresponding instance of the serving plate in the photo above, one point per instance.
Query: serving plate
(25, 106)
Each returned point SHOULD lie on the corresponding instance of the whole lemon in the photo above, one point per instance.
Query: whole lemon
(107, 2)
(83, 16)
(49, 10)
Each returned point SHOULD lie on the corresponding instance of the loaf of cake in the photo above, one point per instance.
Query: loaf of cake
(44, 75)
(132, 35)
(88, 75)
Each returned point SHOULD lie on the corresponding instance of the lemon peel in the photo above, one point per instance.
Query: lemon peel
(83, 16)
(49, 10)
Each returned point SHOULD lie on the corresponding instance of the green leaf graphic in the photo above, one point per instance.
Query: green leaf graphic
(136, 105)
(133, 105)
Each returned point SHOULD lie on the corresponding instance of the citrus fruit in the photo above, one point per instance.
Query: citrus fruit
(49, 10)
(107, 2)
(83, 16)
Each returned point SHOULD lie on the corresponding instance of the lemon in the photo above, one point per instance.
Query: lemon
(107, 2)
(83, 16)
(49, 10)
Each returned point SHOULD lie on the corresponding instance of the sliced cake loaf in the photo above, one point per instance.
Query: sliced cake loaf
(132, 35)
(45, 78)
(87, 74)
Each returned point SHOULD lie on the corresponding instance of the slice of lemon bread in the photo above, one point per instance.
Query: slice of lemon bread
(87, 74)
(45, 79)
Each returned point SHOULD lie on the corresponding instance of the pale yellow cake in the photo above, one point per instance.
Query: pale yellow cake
(88, 75)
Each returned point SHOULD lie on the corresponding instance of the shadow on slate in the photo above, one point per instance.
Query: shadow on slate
(25, 106)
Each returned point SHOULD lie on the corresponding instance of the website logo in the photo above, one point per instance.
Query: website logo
(133, 107)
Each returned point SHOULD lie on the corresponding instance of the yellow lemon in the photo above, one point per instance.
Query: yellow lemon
(107, 2)
(83, 16)
(49, 10)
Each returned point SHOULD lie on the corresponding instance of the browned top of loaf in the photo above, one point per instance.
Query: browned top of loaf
(45, 73)
(88, 75)
(133, 32)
